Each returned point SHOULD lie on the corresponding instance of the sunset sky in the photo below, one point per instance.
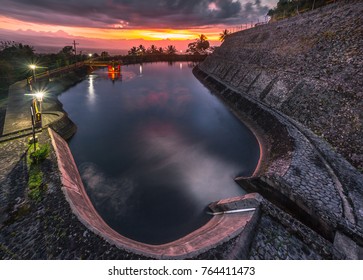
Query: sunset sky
(121, 24)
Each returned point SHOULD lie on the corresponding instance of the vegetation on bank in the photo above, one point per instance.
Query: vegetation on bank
(152, 50)
(288, 8)
(34, 161)
(200, 46)
(15, 59)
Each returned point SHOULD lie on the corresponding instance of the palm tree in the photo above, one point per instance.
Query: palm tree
(202, 38)
(170, 49)
(152, 50)
(200, 45)
(133, 51)
(141, 50)
(224, 35)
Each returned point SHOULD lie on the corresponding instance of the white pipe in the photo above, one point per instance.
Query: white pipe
(231, 211)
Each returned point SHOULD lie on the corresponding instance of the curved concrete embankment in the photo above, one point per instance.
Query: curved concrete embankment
(218, 230)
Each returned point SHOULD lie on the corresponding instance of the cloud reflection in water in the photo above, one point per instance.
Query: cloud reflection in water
(108, 193)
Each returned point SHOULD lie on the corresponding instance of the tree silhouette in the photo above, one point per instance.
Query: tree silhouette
(132, 51)
(152, 50)
(200, 45)
(222, 36)
(67, 50)
(104, 54)
(202, 38)
(141, 50)
(170, 49)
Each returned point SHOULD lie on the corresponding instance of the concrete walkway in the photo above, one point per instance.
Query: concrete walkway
(18, 116)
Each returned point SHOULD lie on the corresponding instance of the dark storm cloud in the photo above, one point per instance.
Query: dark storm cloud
(134, 13)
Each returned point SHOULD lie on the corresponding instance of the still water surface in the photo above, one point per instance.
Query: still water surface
(154, 148)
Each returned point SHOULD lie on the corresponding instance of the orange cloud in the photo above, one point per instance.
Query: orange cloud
(120, 33)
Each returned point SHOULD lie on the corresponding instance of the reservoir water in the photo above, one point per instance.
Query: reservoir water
(155, 147)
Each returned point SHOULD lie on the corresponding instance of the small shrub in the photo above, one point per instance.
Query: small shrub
(40, 154)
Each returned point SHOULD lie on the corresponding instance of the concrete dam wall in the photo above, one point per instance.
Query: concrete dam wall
(310, 67)
(299, 83)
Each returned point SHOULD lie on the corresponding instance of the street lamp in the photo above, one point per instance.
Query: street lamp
(33, 66)
(39, 95)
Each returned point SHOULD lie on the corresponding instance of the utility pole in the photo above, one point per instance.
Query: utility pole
(75, 50)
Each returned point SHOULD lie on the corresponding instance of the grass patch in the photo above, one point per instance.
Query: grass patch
(34, 160)
(40, 154)
(35, 177)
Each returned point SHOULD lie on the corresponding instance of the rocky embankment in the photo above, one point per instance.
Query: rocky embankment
(310, 67)
(299, 83)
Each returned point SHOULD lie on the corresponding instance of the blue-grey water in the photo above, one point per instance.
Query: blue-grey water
(155, 147)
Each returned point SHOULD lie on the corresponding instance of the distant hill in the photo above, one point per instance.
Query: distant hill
(53, 49)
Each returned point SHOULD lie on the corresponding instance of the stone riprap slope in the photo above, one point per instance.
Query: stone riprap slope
(309, 67)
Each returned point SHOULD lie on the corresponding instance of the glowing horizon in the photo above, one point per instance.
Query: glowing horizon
(111, 24)
(116, 33)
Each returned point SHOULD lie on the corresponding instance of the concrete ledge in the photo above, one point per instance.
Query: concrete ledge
(251, 200)
(62, 124)
(218, 230)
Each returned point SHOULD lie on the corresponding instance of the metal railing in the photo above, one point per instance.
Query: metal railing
(55, 72)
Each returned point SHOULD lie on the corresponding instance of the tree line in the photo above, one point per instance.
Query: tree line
(152, 50)
(200, 46)
(15, 59)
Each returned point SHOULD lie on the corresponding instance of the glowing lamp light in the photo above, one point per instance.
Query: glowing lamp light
(90, 55)
(33, 66)
(39, 95)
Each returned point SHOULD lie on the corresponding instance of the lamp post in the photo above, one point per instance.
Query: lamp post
(33, 126)
(38, 110)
